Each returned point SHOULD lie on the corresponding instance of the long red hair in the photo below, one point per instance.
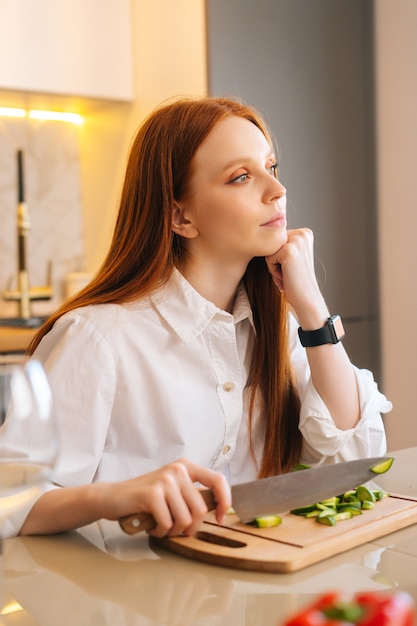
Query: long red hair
(144, 251)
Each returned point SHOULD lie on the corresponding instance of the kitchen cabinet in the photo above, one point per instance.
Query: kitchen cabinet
(79, 48)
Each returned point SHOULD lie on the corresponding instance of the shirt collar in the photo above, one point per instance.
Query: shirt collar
(188, 313)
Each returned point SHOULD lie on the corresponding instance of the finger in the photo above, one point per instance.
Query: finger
(188, 511)
(163, 518)
(178, 507)
(214, 481)
(275, 269)
(166, 502)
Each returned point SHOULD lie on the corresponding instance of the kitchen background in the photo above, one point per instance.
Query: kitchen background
(52, 185)
(337, 83)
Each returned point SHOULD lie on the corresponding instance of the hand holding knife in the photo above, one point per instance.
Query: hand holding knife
(277, 494)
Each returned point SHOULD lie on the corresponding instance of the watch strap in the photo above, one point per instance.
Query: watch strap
(331, 332)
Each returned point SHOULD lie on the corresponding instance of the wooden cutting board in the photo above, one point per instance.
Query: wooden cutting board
(296, 543)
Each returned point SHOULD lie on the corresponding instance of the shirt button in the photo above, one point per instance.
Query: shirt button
(226, 449)
(228, 386)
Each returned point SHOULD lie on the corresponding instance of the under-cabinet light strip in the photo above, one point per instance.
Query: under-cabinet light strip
(60, 116)
(10, 112)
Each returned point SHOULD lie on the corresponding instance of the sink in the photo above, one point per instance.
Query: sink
(20, 322)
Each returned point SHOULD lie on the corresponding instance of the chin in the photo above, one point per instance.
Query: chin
(274, 246)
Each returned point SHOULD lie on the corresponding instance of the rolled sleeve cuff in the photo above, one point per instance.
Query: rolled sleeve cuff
(14, 521)
(324, 441)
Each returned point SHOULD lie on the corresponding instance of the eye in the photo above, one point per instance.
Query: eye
(273, 169)
(242, 178)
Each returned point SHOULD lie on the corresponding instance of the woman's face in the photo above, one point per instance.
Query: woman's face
(236, 205)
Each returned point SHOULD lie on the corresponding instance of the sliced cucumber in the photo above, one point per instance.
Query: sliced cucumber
(351, 498)
(301, 466)
(343, 515)
(383, 467)
(379, 494)
(303, 510)
(267, 521)
(348, 494)
(326, 513)
(329, 520)
(363, 493)
(367, 505)
(323, 506)
(352, 511)
(350, 504)
(331, 502)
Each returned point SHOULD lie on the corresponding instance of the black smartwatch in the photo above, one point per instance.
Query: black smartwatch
(331, 332)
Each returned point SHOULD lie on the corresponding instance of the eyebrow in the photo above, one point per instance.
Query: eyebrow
(242, 159)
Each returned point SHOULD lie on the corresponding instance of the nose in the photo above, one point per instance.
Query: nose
(275, 189)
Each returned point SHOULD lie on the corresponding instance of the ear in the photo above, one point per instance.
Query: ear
(181, 225)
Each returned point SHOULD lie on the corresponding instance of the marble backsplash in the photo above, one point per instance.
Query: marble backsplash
(52, 183)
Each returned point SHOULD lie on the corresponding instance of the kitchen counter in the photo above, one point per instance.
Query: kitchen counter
(15, 340)
(99, 575)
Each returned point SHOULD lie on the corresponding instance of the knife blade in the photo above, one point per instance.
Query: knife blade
(278, 494)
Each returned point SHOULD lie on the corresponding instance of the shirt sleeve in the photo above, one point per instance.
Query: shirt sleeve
(14, 521)
(81, 371)
(323, 441)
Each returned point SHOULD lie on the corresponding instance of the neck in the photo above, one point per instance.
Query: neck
(218, 285)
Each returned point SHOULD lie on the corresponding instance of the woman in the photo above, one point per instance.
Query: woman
(185, 345)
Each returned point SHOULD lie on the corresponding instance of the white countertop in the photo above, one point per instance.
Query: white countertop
(100, 576)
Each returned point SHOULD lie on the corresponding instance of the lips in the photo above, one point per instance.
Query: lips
(278, 221)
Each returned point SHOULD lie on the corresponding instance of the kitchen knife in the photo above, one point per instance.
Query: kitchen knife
(277, 494)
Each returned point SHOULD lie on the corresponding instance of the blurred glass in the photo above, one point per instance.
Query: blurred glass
(28, 438)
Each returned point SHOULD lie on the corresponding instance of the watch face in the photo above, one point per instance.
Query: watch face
(338, 326)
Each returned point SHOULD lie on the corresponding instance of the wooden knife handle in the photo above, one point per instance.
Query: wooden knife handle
(138, 522)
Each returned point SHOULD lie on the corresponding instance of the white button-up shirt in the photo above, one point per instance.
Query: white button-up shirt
(141, 384)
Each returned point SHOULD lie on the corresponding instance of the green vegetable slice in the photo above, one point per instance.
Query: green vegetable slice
(346, 611)
(343, 515)
(301, 466)
(367, 505)
(355, 504)
(323, 506)
(379, 494)
(363, 493)
(351, 498)
(345, 506)
(383, 467)
(267, 521)
(303, 510)
(326, 513)
(328, 519)
(331, 502)
(352, 511)
(348, 494)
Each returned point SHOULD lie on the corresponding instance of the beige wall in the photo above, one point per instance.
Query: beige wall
(396, 94)
(169, 60)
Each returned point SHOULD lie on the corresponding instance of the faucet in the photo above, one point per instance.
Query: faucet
(24, 294)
